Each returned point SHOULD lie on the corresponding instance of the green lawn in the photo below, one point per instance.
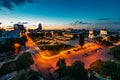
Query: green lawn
(55, 49)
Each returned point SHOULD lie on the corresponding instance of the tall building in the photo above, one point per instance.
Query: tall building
(91, 34)
(39, 27)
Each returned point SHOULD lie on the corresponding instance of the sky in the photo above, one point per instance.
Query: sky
(59, 14)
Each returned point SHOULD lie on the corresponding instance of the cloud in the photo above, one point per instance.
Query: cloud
(6, 3)
(25, 23)
(116, 22)
(104, 19)
(9, 4)
(78, 23)
(110, 22)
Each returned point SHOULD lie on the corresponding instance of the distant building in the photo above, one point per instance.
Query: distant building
(91, 34)
(0, 32)
(19, 27)
(69, 29)
(103, 32)
(69, 35)
(9, 34)
(39, 27)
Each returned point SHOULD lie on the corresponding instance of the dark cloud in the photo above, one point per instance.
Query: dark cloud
(6, 3)
(78, 23)
(9, 4)
(116, 22)
(105, 19)
(18, 2)
(31, 1)
(25, 23)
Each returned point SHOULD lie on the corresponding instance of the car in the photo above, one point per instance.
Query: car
(85, 54)
(68, 52)
(75, 50)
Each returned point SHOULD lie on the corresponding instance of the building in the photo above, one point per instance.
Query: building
(69, 35)
(39, 27)
(9, 34)
(1, 32)
(91, 34)
(103, 32)
(19, 27)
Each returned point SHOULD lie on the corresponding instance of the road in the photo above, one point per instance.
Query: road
(42, 65)
(79, 55)
(46, 64)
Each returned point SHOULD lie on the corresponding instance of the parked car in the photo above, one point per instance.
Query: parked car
(68, 52)
(85, 54)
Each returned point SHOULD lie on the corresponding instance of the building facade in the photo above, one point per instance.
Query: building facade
(91, 34)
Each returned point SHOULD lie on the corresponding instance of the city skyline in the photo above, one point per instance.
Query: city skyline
(55, 13)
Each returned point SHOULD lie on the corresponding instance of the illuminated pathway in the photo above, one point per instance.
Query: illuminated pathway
(42, 65)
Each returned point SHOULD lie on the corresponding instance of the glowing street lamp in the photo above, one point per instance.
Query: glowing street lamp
(16, 45)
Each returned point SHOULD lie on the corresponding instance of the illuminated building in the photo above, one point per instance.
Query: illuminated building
(91, 34)
(103, 32)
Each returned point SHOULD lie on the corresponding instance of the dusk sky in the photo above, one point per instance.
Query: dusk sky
(64, 13)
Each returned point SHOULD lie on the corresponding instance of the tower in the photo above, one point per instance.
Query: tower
(39, 27)
(91, 34)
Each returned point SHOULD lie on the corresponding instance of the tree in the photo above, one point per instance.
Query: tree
(24, 40)
(74, 72)
(96, 66)
(99, 39)
(7, 68)
(81, 40)
(106, 43)
(21, 76)
(115, 51)
(78, 72)
(112, 69)
(61, 64)
(107, 68)
(27, 75)
(24, 61)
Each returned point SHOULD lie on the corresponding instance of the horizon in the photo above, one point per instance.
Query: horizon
(59, 14)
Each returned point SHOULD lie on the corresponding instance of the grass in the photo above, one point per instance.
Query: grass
(56, 49)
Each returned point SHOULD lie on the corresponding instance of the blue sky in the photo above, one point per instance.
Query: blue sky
(54, 13)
